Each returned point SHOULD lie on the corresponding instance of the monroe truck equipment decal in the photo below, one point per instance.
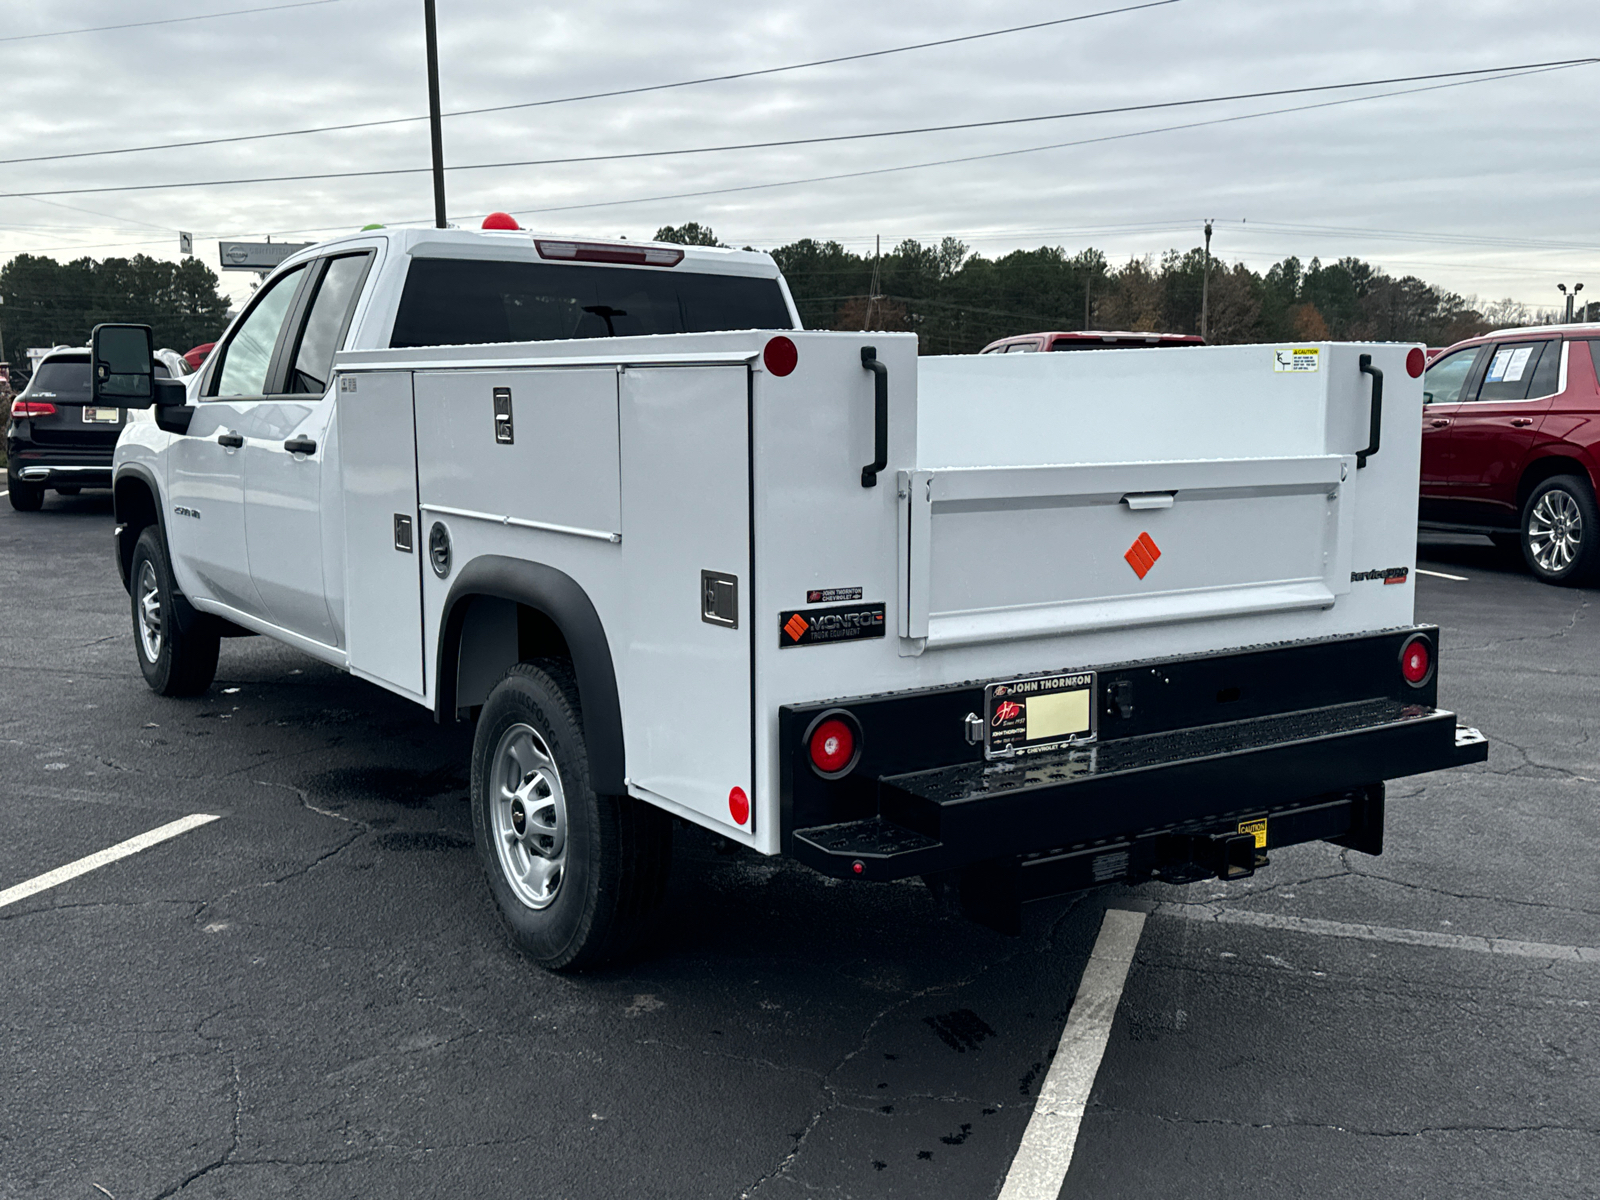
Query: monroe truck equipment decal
(812, 626)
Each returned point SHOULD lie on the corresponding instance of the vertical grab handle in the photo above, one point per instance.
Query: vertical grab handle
(1377, 410)
(880, 417)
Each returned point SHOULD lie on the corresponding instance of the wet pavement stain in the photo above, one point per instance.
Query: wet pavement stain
(961, 1030)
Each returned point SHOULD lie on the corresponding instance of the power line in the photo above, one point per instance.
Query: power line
(1482, 75)
(633, 91)
(238, 12)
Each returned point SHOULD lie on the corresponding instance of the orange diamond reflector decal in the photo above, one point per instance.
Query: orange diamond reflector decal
(796, 627)
(1142, 555)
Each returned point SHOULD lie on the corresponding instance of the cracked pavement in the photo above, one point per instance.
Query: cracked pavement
(312, 997)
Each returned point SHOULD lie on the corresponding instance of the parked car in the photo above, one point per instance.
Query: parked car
(62, 447)
(1089, 339)
(1511, 445)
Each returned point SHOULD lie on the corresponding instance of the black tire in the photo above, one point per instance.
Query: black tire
(26, 497)
(615, 851)
(1561, 532)
(71, 489)
(175, 662)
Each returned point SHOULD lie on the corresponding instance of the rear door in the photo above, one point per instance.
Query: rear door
(1496, 426)
(206, 529)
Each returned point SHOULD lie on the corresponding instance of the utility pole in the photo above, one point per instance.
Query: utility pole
(1571, 297)
(872, 288)
(1205, 284)
(433, 113)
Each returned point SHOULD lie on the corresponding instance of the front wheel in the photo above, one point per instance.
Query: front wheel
(1561, 532)
(175, 662)
(26, 497)
(576, 877)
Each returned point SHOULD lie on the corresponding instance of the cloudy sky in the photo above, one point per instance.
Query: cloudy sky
(1487, 188)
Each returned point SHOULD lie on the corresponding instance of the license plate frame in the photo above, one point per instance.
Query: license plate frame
(100, 415)
(1060, 717)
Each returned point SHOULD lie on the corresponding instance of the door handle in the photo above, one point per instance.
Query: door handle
(1439, 422)
(230, 439)
(300, 444)
(1521, 422)
(1376, 423)
(880, 416)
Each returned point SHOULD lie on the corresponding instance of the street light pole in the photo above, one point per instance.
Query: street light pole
(1205, 284)
(433, 113)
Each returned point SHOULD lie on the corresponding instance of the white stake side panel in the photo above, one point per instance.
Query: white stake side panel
(685, 683)
(378, 467)
(1038, 442)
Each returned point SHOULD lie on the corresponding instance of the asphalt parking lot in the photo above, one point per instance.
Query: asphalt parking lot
(309, 995)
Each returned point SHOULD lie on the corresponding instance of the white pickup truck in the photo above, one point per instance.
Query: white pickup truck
(1019, 625)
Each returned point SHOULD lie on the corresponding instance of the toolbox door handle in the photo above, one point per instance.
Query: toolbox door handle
(880, 416)
(1377, 410)
(1144, 501)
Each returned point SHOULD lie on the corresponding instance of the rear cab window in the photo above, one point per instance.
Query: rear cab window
(1521, 371)
(464, 302)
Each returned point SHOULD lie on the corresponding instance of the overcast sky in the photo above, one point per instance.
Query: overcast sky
(1487, 189)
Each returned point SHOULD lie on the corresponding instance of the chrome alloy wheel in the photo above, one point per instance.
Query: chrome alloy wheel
(530, 815)
(149, 612)
(1555, 531)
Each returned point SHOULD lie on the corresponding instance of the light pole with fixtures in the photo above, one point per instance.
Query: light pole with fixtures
(1571, 296)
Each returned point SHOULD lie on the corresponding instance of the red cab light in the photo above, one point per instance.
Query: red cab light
(500, 220)
(738, 806)
(780, 356)
(637, 256)
(1416, 661)
(32, 408)
(834, 744)
(1416, 360)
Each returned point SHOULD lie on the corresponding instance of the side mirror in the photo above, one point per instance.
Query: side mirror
(123, 360)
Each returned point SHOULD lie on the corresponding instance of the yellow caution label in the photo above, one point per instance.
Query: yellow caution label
(1257, 827)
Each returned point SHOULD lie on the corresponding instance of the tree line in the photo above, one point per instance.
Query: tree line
(957, 302)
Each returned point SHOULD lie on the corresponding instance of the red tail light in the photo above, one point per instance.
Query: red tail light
(638, 256)
(834, 744)
(1416, 661)
(32, 408)
(1416, 360)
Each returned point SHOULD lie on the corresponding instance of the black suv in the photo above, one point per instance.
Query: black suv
(50, 445)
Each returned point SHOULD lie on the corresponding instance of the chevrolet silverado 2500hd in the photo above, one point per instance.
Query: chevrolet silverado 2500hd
(1017, 624)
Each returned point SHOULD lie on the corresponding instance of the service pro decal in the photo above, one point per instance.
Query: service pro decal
(813, 626)
(1296, 360)
(1386, 574)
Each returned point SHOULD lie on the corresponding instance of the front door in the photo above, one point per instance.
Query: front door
(286, 457)
(206, 528)
(1447, 379)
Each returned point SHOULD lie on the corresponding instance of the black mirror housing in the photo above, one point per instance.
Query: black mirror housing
(123, 373)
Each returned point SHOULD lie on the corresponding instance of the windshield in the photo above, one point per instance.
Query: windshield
(459, 302)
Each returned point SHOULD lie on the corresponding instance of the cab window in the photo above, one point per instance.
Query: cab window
(1447, 376)
(248, 354)
(325, 327)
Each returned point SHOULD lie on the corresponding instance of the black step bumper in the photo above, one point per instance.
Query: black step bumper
(1125, 808)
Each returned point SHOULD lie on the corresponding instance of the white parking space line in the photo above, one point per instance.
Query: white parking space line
(1442, 575)
(1040, 1166)
(1382, 933)
(101, 858)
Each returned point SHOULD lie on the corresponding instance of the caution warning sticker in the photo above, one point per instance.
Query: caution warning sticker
(1257, 827)
(1297, 360)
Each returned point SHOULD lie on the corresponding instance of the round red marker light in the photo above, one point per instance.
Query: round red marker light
(833, 746)
(1416, 360)
(738, 806)
(858, 866)
(1416, 663)
(500, 220)
(780, 356)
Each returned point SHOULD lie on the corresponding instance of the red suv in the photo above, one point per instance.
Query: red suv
(1511, 445)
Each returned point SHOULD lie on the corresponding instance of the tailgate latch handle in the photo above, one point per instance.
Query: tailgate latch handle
(1377, 410)
(880, 416)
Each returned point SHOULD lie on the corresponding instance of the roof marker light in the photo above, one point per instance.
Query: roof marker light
(500, 220)
(638, 256)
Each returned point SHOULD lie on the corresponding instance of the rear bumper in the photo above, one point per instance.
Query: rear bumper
(1170, 787)
(52, 466)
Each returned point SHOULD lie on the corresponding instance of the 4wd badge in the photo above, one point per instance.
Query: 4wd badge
(812, 626)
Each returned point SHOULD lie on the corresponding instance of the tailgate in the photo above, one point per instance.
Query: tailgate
(996, 553)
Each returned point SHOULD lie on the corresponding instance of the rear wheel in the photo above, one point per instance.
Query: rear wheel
(26, 497)
(577, 877)
(175, 662)
(1561, 531)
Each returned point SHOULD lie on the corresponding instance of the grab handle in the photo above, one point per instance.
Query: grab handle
(1377, 410)
(880, 418)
